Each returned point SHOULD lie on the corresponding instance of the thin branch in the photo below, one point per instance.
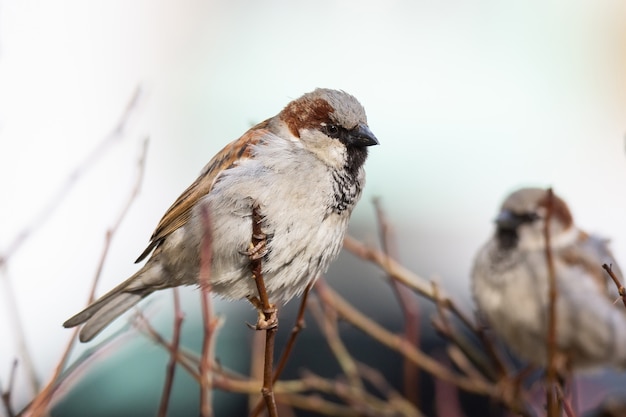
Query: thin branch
(551, 372)
(395, 399)
(445, 329)
(327, 322)
(567, 406)
(403, 275)
(447, 399)
(41, 401)
(206, 256)
(295, 331)
(117, 133)
(397, 343)
(171, 366)
(182, 358)
(14, 319)
(409, 306)
(620, 288)
(318, 405)
(6, 394)
(269, 323)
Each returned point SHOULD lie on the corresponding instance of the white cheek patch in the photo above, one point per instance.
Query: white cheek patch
(331, 151)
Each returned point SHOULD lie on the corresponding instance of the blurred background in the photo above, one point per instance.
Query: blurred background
(469, 99)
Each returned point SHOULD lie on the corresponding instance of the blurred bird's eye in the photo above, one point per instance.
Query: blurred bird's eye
(529, 217)
(332, 130)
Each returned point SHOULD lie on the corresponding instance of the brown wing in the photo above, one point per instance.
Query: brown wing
(178, 214)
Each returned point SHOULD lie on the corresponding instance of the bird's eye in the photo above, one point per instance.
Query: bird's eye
(528, 217)
(332, 130)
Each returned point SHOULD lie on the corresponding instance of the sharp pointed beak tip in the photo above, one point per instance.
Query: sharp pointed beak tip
(364, 137)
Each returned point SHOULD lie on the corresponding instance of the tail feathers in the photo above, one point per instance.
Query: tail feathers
(108, 312)
(108, 307)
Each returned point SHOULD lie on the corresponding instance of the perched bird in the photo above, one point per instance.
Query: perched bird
(304, 170)
(510, 283)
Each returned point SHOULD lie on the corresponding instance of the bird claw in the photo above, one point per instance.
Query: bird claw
(256, 252)
(267, 318)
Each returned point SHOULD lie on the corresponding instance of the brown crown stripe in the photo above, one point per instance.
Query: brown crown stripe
(306, 114)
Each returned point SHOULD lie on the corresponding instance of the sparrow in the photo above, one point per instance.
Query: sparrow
(303, 168)
(510, 283)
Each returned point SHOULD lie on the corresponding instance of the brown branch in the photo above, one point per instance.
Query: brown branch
(567, 406)
(171, 366)
(327, 322)
(445, 329)
(551, 372)
(620, 288)
(409, 306)
(318, 405)
(267, 312)
(426, 289)
(270, 323)
(210, 324)
(447, 399)
(6, 394)
(183, 358)
(298, 326)
(295, 331)
(403, 275)
(395, 399)
(39, 405)
(397, 343)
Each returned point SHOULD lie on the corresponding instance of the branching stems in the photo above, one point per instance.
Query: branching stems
(620, 288)
(171, 366)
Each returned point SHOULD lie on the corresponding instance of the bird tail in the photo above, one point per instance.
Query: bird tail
(107, 308)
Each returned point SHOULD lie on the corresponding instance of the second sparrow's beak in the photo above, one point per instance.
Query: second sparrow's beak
(362, 136)
(507, 220)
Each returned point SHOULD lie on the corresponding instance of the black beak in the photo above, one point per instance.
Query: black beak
(509, 220)
(362, 136)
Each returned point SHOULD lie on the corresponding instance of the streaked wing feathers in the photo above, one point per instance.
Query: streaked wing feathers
(178, 214)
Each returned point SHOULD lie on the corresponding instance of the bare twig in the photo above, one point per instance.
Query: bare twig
(551, 372)
(171, 366)
(318, 405)
(210, 324)
(447, 399)
(403, 275)
(269, 311)
(298, 326)
(567, 406)
(620, 288)
(445, 328)
(44, 214)
(395, 399)
(327, 322)
(397, 343)
(409, 306)
(14, 319)
(190, 364)
(295, 331)
(41, 401)
(6, 394)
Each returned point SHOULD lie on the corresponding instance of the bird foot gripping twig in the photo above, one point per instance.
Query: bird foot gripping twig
(268, 317)
(268, 314)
